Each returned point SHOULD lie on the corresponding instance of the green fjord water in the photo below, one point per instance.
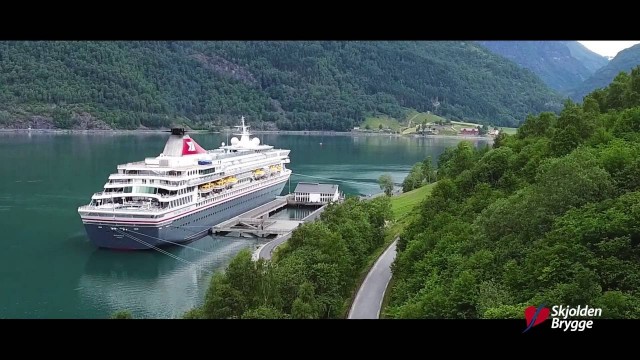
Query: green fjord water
(48, 267)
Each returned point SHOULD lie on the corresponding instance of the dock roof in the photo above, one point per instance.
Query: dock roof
(316, 188)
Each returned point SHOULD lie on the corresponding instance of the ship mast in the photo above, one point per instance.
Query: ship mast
(243, 127)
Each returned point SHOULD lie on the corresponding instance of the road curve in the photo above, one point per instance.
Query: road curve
(368, 301)
(267, 249)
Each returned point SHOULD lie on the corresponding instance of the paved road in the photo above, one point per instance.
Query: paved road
(267, 249)
(369, 298)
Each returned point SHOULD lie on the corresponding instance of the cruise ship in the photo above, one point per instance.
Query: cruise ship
(179, 195)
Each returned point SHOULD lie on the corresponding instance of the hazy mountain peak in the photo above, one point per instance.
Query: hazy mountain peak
(562, 65)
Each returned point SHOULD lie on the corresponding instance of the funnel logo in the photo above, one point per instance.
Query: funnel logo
(190, 147)
(535, 316)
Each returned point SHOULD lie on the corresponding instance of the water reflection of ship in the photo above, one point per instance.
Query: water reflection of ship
(152, 284)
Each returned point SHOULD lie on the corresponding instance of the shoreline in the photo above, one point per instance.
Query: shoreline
(272, 132)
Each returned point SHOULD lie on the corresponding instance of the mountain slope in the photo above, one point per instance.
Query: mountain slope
(560, 64)
(294, 85)
(625, 60)
(591, 60)
(550, 215)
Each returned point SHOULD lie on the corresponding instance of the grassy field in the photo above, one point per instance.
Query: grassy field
(387, 122)
(403, 204)
(415, 118)
(464, 124)
(506, 130)
(400, 125)
(418, 118)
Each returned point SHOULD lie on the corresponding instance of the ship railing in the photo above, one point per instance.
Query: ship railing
(206, 178)
(117, 193)
(135, 163)
(141, 182)
(148, 173)
(105, 211)
(107, 193)
(154, 181)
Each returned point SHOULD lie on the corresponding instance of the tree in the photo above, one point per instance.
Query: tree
(122, 314)
(428, 172)
(414, 178)
(305, 305)
(505, 312)
(263, 312)
(380, 127)
(455, 160)
(379, 212)
(195, 313)
(222, 301)
(549, 215)
(386, 184)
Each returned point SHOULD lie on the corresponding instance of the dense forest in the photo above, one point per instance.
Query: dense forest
(563, 65)
(549, 215)
(312, 276)
(625, 60)
(289, 85)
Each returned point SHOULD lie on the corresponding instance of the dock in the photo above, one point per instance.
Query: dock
(257, 227)
(258, 223)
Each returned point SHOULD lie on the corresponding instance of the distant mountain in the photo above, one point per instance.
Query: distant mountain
(589, 59)
(562, 65)
(624, 61)
(295, 85)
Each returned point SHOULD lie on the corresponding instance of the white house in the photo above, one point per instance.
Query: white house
(316, 193)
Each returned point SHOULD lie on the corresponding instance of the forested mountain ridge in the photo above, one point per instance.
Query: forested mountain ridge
(563, 65)
(550, 215)
(625, 60)
(291, 85)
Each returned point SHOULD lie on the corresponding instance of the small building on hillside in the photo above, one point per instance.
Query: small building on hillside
(429, 131)
(315, 193)
(494, 132)
(469, 131)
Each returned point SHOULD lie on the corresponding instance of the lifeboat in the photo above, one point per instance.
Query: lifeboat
(258, 173)
(205, 188)
(219, 185)
(230, 181)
